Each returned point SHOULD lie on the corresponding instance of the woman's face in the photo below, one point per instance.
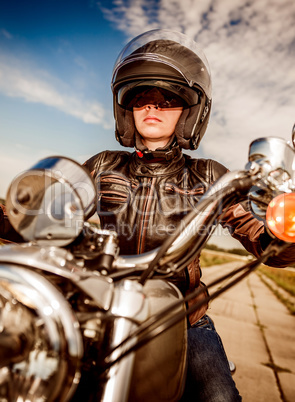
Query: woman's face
(155, 122)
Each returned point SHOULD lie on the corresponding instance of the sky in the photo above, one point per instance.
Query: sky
(57, 56)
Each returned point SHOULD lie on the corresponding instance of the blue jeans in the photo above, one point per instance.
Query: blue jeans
(208, 378)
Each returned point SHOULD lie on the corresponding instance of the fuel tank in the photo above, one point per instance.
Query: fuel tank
(160, 365)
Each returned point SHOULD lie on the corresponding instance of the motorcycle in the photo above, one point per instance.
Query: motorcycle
(78, 320)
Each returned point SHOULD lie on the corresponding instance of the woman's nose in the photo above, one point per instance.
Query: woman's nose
(150, 106)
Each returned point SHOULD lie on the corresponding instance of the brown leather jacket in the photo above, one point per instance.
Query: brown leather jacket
(145, 200)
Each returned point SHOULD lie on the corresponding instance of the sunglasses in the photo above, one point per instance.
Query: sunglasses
(165, 104)
(160, 98)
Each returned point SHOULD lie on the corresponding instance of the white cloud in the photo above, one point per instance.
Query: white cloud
(250, 46)
(131, 16)
(6, 34)
(21, 80)
(12, 164)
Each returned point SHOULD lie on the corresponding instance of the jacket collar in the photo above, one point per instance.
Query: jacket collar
(166, 154)
(157, 164)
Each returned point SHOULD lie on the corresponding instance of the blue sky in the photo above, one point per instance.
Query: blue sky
(56, 60)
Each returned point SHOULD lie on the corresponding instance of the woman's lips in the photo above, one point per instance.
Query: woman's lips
(151, 119)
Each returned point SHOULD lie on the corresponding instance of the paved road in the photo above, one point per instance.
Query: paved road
(258, 335)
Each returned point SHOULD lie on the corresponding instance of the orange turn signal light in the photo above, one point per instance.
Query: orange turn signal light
(280, 217)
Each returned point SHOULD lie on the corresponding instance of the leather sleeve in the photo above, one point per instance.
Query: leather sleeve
(252, 234)
(7, 231)
(105, 160)
(248, 230)
(242, 225)
(2, 223)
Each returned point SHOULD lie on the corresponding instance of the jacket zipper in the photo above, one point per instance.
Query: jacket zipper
(145, 216)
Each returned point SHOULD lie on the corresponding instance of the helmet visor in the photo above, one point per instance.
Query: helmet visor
(162, 93)
(158, 97)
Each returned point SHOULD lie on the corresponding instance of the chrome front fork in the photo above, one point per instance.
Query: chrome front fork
(129, 307)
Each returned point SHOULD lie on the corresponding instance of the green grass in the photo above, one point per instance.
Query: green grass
(208, 259)
(282, 277)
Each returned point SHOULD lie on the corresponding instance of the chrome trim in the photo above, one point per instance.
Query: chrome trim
(37, 314)
(60, 262)
(129, 306)
(49, 202)
(276, 160)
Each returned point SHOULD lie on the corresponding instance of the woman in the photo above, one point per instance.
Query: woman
(162, 100)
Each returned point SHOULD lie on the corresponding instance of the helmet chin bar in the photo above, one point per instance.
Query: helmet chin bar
(41, 359)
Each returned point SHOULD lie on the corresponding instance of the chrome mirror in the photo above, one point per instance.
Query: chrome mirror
(276, 160)
(51, 201)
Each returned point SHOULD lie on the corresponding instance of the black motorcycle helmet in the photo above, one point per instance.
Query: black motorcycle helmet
(170, 61)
